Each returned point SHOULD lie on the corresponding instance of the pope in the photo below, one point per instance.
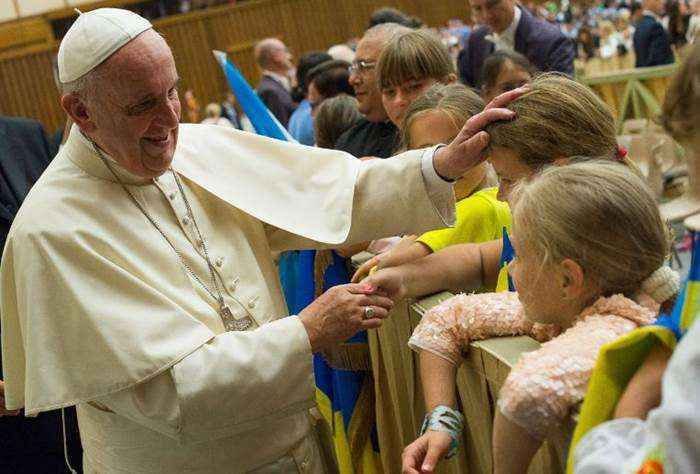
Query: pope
(138, 281)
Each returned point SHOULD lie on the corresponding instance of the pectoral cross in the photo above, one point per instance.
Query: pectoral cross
(233, 324)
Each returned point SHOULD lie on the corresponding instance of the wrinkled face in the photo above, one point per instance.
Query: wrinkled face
(364, 79)
(135, 111)
(431, 128)
(509, 168)
(509, 77)
(396, 99)
(496, 14)
(538, 285)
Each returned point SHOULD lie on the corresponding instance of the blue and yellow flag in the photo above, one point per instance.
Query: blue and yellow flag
(344, 386)
(264, 122)
(619, 360)
(505, 282)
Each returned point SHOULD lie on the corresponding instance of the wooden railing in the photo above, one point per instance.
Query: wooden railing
(305, 25)
(633, 93)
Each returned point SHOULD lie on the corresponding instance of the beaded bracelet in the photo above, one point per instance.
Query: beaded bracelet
(447, 420)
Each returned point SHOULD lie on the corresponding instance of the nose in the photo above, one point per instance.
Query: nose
(401, 101)
(354, 79)
(169, 114)
(503, 192)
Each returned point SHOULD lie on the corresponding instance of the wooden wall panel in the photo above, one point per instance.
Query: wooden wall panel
(26, 79)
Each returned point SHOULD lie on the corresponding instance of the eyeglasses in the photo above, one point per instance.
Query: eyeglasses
(361, 67)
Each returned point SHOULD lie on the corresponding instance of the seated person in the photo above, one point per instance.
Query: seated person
(436, 117)
(589, 239)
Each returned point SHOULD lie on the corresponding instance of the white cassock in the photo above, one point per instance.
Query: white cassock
(99, 312)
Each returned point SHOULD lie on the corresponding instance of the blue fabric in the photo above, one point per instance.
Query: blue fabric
(301, 124)
(260, 117)
(507, 255)
(684, 312)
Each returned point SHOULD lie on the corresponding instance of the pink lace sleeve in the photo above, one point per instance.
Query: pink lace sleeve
(448, 328)
(546, 384)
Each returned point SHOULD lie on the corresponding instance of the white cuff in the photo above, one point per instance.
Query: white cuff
(439, 190)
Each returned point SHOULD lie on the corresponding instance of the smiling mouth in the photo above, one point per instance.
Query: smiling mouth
(158, 140)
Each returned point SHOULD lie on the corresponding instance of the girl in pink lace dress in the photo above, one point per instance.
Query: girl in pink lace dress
(590, 248)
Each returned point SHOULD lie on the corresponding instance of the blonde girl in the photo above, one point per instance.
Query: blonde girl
(590, 246)
(436, 117)
(651, 432)
(557, 119)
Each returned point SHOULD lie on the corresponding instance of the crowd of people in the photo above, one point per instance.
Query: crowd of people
(149, 276)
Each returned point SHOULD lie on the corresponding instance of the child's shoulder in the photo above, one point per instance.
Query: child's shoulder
(617, 307)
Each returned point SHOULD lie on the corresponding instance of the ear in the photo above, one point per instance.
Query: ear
(561, 161)
(572, 281)
(451, 78)
(76, 109)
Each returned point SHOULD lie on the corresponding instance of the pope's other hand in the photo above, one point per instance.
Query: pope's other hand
(467, 149)
(341, 312)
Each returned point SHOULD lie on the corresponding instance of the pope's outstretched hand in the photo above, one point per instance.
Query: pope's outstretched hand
(342, 311)
(467, 149)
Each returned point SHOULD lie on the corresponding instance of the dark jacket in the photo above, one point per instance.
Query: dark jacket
(276, 98)
(652, 46)
(25, 151)
(380, 139)
(29, 445)
(539, 41)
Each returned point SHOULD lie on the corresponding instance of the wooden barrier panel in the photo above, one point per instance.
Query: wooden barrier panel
(25, 32)
(305, 25)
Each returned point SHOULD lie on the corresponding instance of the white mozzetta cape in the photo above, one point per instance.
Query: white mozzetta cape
(93, 299)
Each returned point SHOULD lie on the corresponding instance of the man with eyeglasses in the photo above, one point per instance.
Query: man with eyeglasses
(375, 135)
(510, 26)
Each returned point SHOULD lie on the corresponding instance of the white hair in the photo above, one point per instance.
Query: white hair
(342, 52)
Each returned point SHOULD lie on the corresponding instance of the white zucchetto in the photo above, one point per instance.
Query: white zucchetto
(94, 37)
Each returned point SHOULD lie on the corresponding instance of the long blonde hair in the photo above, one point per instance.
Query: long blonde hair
(597, 213)
(558, 118)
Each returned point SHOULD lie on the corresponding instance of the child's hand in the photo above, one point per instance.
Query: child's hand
(423, 454)
(365, 268)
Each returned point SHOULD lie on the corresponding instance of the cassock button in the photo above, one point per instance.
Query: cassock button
(186, 220)
(171, 196)
(219, 261)
(233, 285)
(252, 303)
